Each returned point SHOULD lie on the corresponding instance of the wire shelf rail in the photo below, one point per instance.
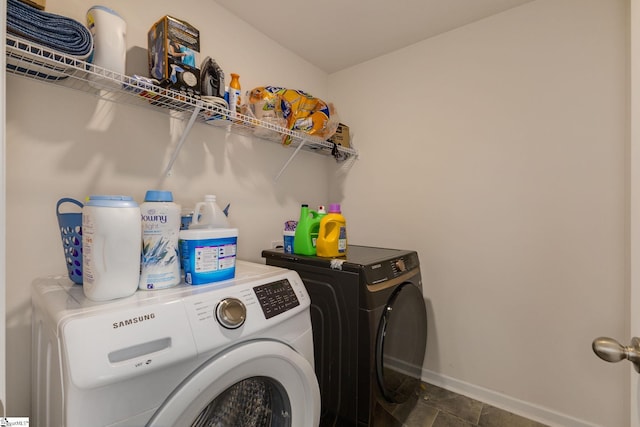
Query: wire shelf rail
(28, 59)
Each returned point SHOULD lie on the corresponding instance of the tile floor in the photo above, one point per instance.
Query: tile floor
(437, 407)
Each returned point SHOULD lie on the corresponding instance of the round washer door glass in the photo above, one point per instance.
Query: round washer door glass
(258, 384)
(253, 402)
(401, 343)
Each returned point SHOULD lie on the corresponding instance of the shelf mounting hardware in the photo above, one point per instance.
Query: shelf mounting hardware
(183, 137)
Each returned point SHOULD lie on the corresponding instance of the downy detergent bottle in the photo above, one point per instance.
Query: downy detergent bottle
(160, 261)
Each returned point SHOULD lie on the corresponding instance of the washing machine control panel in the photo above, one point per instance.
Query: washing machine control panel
(276, 297)
(246, 307)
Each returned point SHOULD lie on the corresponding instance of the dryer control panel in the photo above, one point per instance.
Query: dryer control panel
(391, 268)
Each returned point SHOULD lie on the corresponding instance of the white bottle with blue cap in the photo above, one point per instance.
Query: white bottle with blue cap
(111, 235)
(160, 260)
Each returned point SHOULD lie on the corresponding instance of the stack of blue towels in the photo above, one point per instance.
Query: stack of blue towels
(59, 33)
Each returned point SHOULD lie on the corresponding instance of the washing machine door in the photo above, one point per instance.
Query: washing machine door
(401, 343)
(255, 384)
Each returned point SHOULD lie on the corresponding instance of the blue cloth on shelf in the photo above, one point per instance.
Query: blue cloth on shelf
(61, 33)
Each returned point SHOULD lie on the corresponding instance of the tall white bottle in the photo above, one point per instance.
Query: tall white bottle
(160, 260)
(110, 247)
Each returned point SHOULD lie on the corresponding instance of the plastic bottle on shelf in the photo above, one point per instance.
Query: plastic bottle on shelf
(332, 235)
(109, 33)
(308, 223)
(160, 262)
(207, 214)
(234, 94)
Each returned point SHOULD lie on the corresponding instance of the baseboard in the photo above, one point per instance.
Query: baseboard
(516, 406)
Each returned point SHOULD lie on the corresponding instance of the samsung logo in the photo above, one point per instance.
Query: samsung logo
(133, 320)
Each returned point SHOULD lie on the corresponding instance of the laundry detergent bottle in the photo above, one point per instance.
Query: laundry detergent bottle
(160, 261)
(308, 225)
(332, 235)
(314, 231)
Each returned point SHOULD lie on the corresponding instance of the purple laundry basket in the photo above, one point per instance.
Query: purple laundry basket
(71, 233)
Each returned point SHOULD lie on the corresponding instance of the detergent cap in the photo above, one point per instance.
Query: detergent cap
(158, 196)
(334, 208)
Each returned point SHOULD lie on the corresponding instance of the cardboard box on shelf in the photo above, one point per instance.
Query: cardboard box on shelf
(341, 137)
(174, 50)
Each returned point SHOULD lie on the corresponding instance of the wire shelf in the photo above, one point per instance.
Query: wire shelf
(34, 61)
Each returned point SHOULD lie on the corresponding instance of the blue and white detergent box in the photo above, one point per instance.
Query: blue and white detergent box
(174, 55)
(208, 255)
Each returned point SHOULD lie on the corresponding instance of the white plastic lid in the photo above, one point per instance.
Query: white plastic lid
(112, 201)
(208, 233)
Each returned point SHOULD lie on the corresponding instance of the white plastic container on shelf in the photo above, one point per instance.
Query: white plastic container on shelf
(109, 32)
(160, 263)
(208, 214)
(111, 236)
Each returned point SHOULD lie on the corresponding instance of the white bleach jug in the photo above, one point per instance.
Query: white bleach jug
(111, 242)
(208, 214)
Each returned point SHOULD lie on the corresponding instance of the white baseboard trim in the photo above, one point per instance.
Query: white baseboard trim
(499, 400)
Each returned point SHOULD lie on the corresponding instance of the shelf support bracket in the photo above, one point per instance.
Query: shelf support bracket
(298, 148)
(183, 137)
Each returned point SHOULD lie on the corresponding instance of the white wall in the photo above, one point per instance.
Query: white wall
(498, 152)
(66, 143)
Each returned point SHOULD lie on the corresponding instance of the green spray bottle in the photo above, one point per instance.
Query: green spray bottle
(308, 224)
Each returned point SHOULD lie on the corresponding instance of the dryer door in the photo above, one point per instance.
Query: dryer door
(401, 343)
(256, 384)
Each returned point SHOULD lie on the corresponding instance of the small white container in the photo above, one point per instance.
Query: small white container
(111, 236)
(160, 261)
(209, 255)
(288, 237)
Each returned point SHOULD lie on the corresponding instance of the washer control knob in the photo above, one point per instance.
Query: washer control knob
(231, 313)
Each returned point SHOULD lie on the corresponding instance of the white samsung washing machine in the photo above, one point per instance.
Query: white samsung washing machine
(233, 353)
